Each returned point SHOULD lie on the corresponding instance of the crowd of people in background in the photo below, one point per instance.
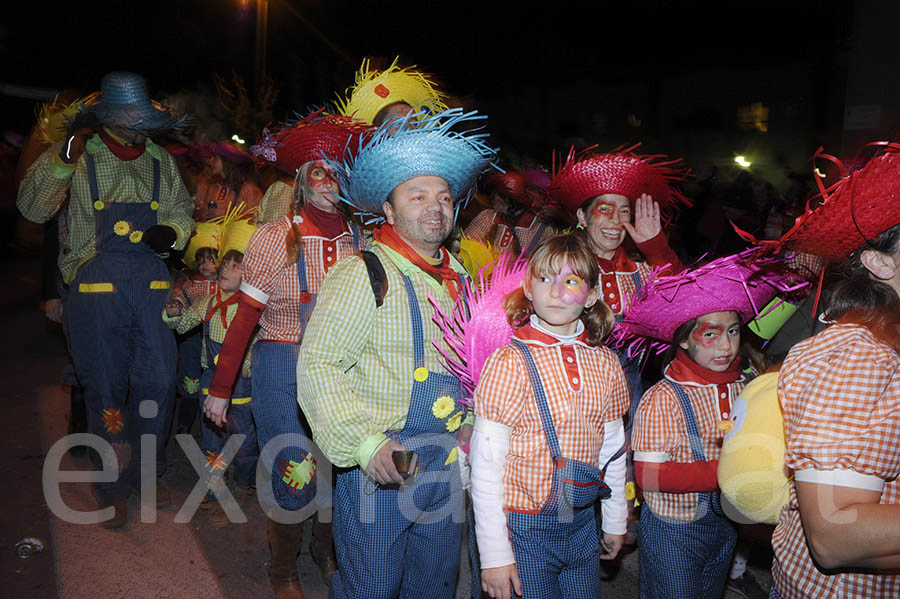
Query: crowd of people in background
(293, 288)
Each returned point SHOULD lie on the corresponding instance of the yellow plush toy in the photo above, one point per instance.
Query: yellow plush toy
(752, 475)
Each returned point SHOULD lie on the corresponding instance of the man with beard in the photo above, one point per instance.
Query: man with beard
(369, 377)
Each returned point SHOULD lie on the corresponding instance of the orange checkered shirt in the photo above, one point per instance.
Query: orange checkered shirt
(840, 394)
(524, 230)
(808, 266)
(660, 435)
(585, 388)
(268, 278)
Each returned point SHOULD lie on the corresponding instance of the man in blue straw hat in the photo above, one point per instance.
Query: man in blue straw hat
(127, 207)
(369, 379)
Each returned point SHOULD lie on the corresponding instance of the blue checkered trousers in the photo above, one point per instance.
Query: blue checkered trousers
(687, 559)
(404, 543)
(557, 549)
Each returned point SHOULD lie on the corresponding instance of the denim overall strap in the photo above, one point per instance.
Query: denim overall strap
(690, 420)
(415, 316)
(355, 231)
(206, 339)
(636, 279)
(301, 270)
(540, 397)
(95, 188)
(536, 239)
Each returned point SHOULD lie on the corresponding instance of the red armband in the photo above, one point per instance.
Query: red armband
(236, 340)
(659, 253)
(677, 477)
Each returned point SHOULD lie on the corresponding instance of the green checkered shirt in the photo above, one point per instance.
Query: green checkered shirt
(44, 188)
(355, 371)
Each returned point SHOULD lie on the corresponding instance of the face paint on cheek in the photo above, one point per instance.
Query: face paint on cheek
(707, 334)
(571, 288)
(318, 178)
(602, 209)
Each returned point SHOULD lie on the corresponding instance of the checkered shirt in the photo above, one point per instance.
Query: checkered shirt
(618, 285)
(44, 189)
(194, 315)
(197, 289)
(355, 371)
(840, 394)
(268, 278)
(660, 435)
(585, 388)
(276, 202)
(485, 220)
(808, 266)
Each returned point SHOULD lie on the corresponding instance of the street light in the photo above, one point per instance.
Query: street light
(742, 162)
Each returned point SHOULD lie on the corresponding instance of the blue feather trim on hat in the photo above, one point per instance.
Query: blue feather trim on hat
(417, 145)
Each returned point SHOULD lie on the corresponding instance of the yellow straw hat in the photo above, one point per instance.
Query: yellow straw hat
(376, 89)
(206, 235)
(236, 230)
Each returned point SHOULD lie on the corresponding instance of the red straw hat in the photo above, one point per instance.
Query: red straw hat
(586, 175)
(513, 185)
(860, 206)
(315, 137)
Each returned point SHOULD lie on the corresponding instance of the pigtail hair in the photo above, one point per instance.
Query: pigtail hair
(598, 323)
(293, 238)
(518, 308)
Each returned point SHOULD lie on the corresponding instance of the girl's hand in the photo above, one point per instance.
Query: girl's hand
(646, 220)
(173, 309)
(611, 545)
(498, 582)
(215, 408)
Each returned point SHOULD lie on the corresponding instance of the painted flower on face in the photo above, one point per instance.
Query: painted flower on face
(122, 228)
(136, 236)
(443, 406)
(454, 422)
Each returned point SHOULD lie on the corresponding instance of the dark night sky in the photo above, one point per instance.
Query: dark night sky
(483, 51)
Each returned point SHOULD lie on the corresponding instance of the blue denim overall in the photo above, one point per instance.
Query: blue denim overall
(557, 549)
(275, 408)
(123, 352)
(240, 419)
(687, 559)
(381, 552)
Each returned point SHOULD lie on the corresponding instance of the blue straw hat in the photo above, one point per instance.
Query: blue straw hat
(124, 102)
(430, 146)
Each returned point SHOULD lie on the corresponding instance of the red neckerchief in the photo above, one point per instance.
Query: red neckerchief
(120, 150)
(443, 273)
(684, 369)
(331, 224)
(620, 262)
(221, 306)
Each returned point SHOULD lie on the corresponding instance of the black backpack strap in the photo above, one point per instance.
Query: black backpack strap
(377, 276)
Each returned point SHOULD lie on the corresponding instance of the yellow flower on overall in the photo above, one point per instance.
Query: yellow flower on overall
(454, 422)
(135, 236)
(443, 406)
(122, 228)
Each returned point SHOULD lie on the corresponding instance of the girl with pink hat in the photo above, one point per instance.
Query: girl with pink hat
(686, 540)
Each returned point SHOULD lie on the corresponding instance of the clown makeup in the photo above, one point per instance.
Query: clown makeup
(603, 218)
(320, 185)
(559, 299)
(714, 340)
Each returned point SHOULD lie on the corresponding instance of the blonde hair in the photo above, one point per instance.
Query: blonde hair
(549, 258)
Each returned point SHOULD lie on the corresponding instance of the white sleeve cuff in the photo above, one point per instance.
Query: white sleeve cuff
(840, 478)
(255, 293)
(653, 457)
(614, 509)
(487, 456)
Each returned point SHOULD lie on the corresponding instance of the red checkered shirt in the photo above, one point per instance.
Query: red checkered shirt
(585, 388)
(840, 394)
(808, 266)
(268, 278)
(660, 434)
(197, 287)
(524, 231)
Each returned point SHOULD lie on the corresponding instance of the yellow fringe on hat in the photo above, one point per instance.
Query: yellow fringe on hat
(54, 118)
(374, 90)
(236, 229)
(476, 255)
(206, 235)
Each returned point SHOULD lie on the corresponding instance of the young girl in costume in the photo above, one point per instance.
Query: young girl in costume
(549, 410)
(214, 314)
(229, 180)
(839, 534)
(686, 541)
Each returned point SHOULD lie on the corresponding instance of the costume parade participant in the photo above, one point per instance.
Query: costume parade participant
(367, 396)
(389, 95)
(533, 494)
(512, 222)
(686, 540)
(213, 314)
(282, 272)
(840, 396)
(274, 148)
(127, 205)
(227, 181)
